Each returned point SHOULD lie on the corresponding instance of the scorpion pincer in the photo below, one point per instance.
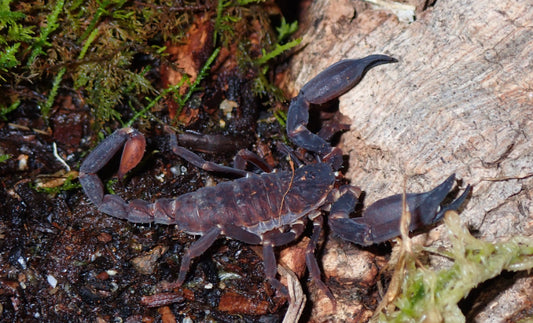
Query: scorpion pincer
(270, 209)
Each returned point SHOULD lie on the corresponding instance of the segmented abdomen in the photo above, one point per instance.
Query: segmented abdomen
(257, 203)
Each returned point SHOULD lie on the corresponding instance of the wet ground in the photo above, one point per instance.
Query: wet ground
(62, 260)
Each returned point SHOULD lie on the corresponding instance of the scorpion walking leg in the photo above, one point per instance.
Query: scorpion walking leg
(276, 238)
(199, 161)
(311, 262)
(245, 156)
(269, 259)
(196, 249)
(210, 144)
(240, 234)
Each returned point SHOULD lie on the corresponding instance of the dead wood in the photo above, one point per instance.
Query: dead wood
(459, 100)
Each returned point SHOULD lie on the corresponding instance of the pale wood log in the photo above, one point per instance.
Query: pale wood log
(460, 100)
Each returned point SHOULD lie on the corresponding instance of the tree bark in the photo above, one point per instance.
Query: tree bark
(460, 100)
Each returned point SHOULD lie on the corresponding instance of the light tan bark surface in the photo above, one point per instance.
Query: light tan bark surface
(460, 100)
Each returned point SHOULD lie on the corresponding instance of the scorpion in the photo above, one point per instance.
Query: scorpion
(272, 208)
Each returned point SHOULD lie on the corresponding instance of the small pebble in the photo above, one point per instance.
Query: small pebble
(52, 281)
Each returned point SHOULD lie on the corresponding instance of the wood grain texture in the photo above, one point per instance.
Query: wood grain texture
(459, 100)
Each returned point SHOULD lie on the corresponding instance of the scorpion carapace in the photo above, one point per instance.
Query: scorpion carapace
(270, 209)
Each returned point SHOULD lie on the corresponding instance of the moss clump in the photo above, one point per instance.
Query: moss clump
(432, 296)
(91, 47)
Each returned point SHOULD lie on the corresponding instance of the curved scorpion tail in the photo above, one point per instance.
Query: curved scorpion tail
(134, 145)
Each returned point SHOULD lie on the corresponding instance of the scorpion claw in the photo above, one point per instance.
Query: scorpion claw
(340, 77)
(327, 85)
(381, 220)
(102, 154)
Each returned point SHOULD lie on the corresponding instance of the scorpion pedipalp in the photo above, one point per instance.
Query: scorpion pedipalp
(327, 85)
(381, 220)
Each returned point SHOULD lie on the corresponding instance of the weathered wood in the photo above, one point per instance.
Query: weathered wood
(459, 100)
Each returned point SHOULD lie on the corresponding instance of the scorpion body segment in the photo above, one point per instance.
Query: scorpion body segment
(270, 209)
(253, 203)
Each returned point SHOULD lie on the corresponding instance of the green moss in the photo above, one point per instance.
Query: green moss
(4, 157)
(107, 83)
(51, 24)
(432, 296)
(261, 84)
(13, 33)
(281, 117)
(89, 46)
(59, 182)
(5, 110)
(195, 86)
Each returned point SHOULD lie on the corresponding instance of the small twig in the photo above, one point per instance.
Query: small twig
(18, 126)
(506, 178)
(61, 160)
(296, 296)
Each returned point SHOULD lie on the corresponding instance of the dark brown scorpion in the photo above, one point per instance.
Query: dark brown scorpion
(270, 209)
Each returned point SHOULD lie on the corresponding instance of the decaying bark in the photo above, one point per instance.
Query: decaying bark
(459, 100)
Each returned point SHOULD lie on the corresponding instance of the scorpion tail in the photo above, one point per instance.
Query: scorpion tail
(133, 143)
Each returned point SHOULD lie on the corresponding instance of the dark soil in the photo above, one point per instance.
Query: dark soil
(62, 260)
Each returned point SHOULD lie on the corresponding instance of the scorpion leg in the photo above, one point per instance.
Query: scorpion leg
(381, 221)
(240, 234)
(241, 158)
(199, 161)
(269, 259)
(327, 85)
(196, 249)
(310, 259)
(276, 238)
(210, 144)
(245, 156)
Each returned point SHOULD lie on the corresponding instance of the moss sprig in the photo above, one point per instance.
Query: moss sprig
(432, 295)
(50, 26)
